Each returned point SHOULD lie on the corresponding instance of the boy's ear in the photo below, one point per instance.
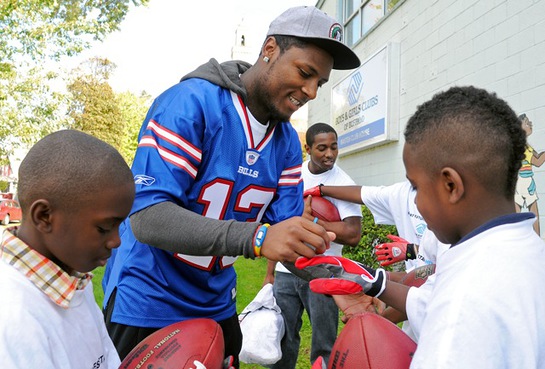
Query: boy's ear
(307, 149)
(40, 215)
(453, 184)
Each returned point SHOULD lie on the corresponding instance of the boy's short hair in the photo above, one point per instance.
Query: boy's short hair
(472, 131)
(68, 167)
(316, 129)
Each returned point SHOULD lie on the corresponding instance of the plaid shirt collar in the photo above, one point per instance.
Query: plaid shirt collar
(58, 285)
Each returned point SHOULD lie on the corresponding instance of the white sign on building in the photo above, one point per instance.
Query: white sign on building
(365, 105)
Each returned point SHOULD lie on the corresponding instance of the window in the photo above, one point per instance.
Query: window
(359, 16)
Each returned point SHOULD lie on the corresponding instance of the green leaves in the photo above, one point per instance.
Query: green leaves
(32, 33)
(96, 109)
(371, 234)
(29, 108)
(51, 28)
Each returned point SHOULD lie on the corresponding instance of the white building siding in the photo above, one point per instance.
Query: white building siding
(498, 45)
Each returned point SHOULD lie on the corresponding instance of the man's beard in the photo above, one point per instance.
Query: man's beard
(262, 95)
(276, 115)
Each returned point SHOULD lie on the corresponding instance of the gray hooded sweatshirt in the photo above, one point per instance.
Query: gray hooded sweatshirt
(171, 227)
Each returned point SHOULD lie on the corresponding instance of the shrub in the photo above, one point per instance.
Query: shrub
(371, 234)
(4, 185)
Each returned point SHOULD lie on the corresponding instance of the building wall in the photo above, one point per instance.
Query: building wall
(498, 45)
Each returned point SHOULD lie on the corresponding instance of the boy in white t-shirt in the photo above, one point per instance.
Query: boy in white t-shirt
(483, 308)
(74, 191)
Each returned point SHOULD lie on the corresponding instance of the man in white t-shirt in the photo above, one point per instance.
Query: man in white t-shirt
(291, 292)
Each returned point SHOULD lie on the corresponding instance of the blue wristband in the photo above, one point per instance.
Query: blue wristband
(259, 238)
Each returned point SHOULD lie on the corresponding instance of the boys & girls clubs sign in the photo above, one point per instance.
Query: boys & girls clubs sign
(365, 104)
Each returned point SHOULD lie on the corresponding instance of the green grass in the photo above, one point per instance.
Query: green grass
(251, 274)
(97, 285)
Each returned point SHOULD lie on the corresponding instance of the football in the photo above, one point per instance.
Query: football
(364, 343)
(179, 346)
(417, 276)
(324, 209)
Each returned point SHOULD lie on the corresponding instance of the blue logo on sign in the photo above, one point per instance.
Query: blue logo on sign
(354, 88)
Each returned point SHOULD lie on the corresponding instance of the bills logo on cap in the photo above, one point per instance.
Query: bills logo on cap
(251, 157)
(336, 32)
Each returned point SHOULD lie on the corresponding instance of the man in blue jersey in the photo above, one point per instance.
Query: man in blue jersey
(217, 162)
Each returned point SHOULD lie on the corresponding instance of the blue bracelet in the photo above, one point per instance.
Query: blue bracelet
(259, 238)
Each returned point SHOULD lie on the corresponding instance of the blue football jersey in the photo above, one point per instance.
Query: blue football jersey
(196, 151)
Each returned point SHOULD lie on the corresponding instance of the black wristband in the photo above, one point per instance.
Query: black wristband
(375, 288)
(320, 188)
(411, 252)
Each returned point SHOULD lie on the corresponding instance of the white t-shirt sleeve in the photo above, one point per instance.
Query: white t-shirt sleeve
(383, 201)
(417, 301)
(429, 249)
(394, 205)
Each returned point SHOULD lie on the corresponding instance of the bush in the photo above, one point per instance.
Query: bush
(371, 234)
(4, 185)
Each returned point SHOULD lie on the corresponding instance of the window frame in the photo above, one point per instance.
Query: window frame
(358, 12)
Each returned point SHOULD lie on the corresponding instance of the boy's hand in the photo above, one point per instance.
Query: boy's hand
(356, 304)
(346, 276)
(396, 251)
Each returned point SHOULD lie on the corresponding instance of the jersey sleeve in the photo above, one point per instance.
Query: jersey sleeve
(416, 304)
(169, 150)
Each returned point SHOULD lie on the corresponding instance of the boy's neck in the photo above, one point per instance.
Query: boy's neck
(37, 243)
(486, 211)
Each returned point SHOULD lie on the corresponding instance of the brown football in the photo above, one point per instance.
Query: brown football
(364, 341)
(178, 346)
(324, 209)
(417, 276)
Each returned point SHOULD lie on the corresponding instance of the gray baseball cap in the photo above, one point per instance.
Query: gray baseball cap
(318, 28)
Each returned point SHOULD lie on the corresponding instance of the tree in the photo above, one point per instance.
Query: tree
(29, 108)
(93, 105)
(372, 234)
(97, 110)
(133, 111)
(41, 29)
(33, 32)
